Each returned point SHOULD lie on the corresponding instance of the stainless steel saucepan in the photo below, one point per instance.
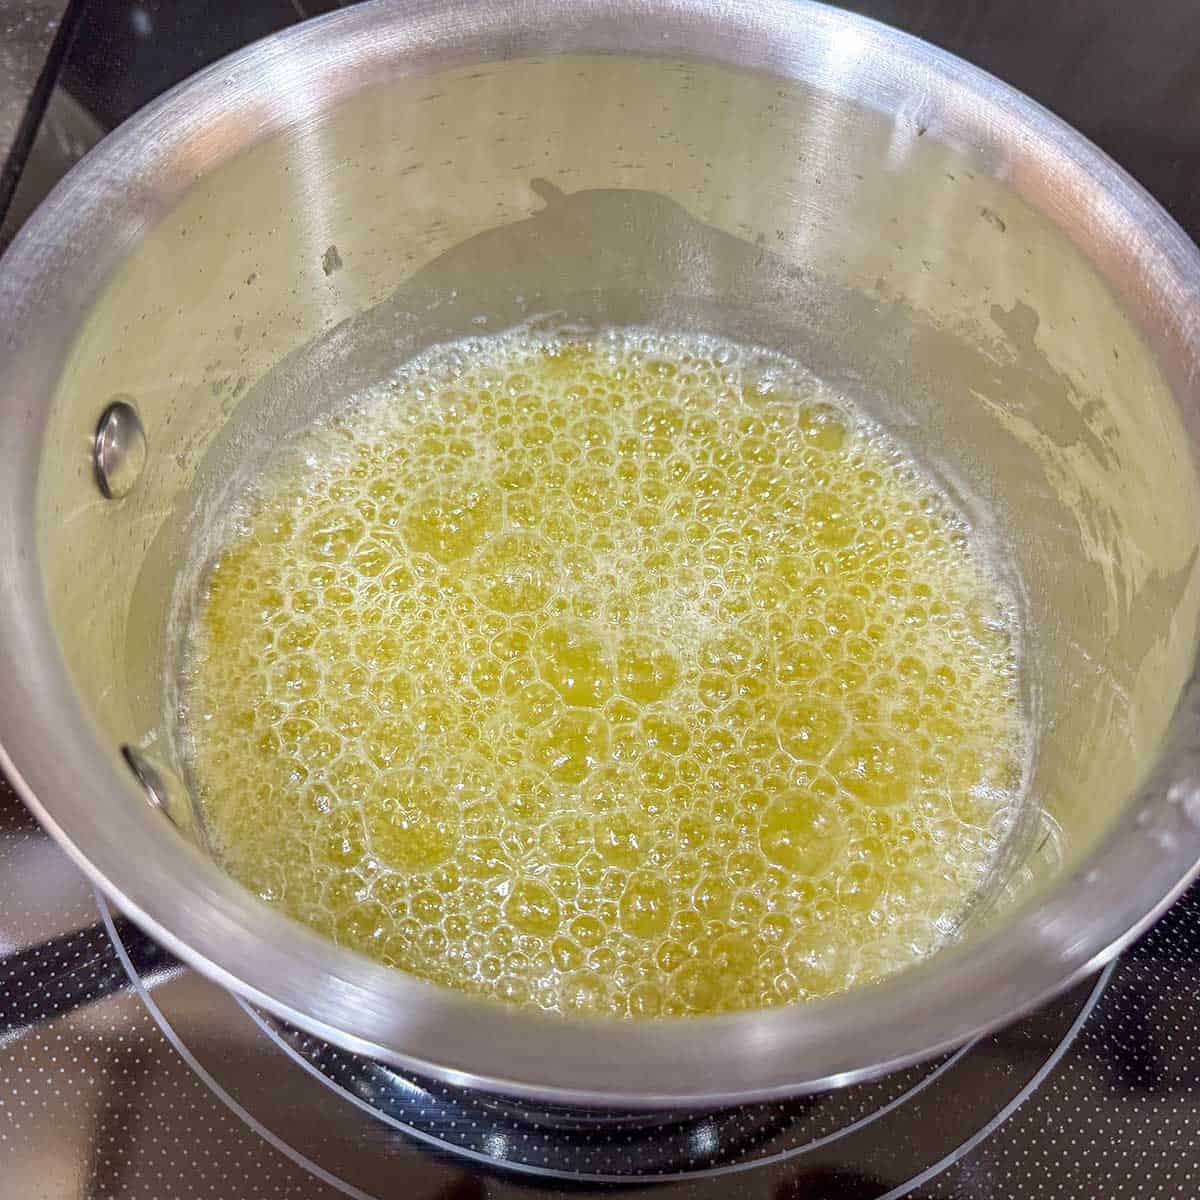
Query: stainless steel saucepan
(292, 222)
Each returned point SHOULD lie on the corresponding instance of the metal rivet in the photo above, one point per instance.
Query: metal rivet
(163, 789)
(146, 775)
(118, 449)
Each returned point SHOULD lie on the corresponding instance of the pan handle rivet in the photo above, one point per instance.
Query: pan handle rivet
(118, 449)
(162, 788)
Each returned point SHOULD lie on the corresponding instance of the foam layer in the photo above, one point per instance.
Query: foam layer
(627, 673)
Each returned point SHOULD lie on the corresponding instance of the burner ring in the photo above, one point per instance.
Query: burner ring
(872, 1140)
(595, 1146)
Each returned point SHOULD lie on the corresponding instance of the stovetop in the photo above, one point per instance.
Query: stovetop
(125, 1076)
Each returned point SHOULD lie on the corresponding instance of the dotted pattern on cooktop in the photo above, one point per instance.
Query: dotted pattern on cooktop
(94, 1102)
(1121, 1117)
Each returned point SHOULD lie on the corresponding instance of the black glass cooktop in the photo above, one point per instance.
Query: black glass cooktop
(125, 1076)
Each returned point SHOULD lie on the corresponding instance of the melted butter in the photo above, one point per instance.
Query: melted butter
(626, 673)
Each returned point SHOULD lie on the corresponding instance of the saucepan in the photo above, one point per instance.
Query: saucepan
(296, 219)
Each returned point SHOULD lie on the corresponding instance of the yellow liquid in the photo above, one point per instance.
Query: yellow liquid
(625, 673)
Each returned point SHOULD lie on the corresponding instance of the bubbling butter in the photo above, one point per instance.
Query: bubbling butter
(623, 672)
